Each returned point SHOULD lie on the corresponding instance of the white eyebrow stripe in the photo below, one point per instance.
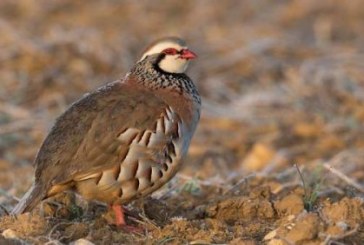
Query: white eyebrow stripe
(160, 47)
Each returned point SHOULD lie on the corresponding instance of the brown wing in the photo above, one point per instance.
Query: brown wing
(85, 138)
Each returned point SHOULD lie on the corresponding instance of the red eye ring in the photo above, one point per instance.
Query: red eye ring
(170, 51)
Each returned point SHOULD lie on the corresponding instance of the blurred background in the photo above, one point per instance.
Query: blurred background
(282, 81)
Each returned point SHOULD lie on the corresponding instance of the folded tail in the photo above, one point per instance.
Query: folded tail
(30, 200)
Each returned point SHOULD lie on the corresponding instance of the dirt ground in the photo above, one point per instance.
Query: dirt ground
(278, 157)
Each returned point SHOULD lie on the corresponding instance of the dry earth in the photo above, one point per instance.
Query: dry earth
(282, 84)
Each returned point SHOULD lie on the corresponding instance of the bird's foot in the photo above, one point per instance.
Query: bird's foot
(119, 212)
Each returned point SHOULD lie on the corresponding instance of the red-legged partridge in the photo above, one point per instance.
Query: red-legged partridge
(127, 138)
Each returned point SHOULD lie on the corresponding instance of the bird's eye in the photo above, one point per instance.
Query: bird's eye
(170, 51)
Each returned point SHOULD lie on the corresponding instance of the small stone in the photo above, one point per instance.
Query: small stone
(291, 217)
(202, 242)
(270, 235)
(82, 241)
(277, 242)
(342, 225)
(10, 234)
(241, 241)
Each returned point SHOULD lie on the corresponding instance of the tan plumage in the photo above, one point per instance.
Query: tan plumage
(122, 141)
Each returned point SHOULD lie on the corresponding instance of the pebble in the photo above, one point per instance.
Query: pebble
(82, 241)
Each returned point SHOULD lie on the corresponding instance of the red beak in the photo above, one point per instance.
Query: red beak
(187, 54)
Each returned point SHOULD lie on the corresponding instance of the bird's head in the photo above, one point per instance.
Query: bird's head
(174, 54)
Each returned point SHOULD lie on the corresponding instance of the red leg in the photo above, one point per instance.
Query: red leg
(119, 214)
(120, 220)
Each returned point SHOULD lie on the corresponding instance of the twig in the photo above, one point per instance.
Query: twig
(344, 177)
(4, 209)
(206, 182)
(145, 221)
(338, 237)
(5, 193)
(285, 186)
(49, 236)
(243, 180)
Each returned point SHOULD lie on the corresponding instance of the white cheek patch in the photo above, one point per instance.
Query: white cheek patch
(172, 64)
